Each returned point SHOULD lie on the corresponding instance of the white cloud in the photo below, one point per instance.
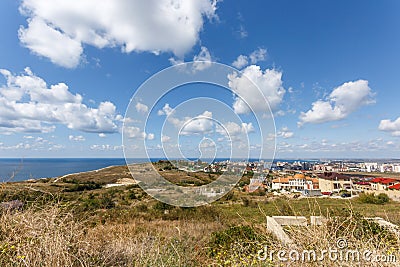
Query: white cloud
(105, 147)
(27, 104)
(343, 100)
(59, 29)
(166, 110)
(241, 61)
(135, 133)
(141, 107)
(268, 81)
(78, 138)
(165, 138)
(285, 133)
(198, 125)
(256, 56)
(234, 131)
(242, 32)
(279, 113)
(202, 60)
(48, 42)
(392, 127)
(175, 61)
(150, 136)
(102, 135)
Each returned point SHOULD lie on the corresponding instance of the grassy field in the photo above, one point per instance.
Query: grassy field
(76, 221)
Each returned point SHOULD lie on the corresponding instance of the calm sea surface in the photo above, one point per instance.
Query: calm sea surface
(24, 169)
(34, 168)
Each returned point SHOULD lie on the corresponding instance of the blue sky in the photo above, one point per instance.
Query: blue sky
(328, 68)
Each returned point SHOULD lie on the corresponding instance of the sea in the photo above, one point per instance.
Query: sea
(36, 168)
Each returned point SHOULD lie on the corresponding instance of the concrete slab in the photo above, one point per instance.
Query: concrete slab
(277, 230)
(291, 220)
(317, 220)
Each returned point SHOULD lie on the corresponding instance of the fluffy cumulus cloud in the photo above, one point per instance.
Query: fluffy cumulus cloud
(392, 127)
(343, 101)
(268, 81)
(166, 110)
(136, 133)
(59, 29)
(201, 124)
(141, 107)
(285, 133)
(201, 61)
(241, 61)
(28, 104)
(234, 131)
(48, 42)
(255, 57)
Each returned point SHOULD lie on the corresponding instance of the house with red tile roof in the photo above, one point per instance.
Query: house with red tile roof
(394, 187)
(382, 183)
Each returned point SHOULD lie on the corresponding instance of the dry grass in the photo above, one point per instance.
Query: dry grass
(52, 237)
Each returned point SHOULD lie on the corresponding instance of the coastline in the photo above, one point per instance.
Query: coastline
(80, 173)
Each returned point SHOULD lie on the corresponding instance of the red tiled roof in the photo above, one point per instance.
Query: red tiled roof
(377, 180)
(383, 180)
(388, 181)
(396, 186)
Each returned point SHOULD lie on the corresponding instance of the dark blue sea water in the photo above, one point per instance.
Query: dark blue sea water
(34, 168)
(24, 169)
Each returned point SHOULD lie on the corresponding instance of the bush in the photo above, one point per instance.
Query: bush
(246, 201)
(383, 198)
(230, 196)
(371, 198)
(161, 206)
(224, 239)
(82, 187)
(132, 195)
(93, 202)
(259, 192)
(141, 208)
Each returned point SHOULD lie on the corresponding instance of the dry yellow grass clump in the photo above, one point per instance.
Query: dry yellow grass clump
(52, 237)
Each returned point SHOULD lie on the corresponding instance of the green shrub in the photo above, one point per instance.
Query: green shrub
(161, 206)
(382, 198)
(371, 198)
(93, 202)
(246, 201)
(259, 192)
(132, 195)
(141, 208)
(77, 187)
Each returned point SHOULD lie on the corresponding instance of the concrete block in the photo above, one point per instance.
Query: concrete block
(317, 220)
(277, 230)
(291, 220)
